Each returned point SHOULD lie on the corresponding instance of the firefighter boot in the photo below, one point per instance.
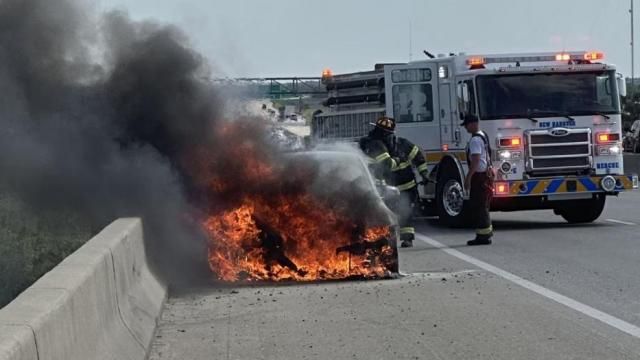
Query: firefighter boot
(407, 240)
(480, 240)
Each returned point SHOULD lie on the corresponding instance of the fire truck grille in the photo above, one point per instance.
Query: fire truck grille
(564, 162)
(543, 139)
(558, 151)
(565, 150)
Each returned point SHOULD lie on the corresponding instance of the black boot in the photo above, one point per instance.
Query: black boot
(406, 243)
(406, 240)
(480, 240)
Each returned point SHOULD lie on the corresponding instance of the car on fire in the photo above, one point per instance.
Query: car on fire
(345, 170)
(323, 217)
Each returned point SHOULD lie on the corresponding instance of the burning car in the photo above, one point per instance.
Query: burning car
(319, 216)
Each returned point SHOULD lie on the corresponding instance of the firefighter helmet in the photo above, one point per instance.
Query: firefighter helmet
(386, 123)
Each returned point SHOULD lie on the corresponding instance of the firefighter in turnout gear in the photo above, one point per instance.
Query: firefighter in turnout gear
(405, 157)
(479, 181)
(375, 146)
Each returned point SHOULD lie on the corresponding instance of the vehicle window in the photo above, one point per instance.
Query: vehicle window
(603, 87)
(469, 107)
(413, 103)
(539, 95)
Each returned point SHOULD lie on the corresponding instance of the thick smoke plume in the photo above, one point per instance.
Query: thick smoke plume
(97, 114)
(108, 117)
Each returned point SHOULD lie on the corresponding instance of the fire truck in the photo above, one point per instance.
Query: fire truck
(553, 120)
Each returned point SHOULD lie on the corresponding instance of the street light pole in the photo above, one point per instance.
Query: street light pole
(633, 79)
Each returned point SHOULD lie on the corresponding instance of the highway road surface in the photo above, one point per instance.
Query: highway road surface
(544, 290)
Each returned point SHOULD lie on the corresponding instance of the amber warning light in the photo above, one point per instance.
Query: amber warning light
(594, 55)
(476, 61)
(502, 188)
(510, 142)
(608, 138)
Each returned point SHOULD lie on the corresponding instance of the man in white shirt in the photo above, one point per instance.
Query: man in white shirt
(479, 181)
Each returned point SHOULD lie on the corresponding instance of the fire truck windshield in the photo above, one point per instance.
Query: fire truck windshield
(547, 95)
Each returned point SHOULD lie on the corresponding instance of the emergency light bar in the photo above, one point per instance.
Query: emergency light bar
(572, 56)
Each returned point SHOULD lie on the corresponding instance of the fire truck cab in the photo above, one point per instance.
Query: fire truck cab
(553, 120)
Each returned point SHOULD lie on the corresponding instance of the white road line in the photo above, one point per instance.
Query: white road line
(549, 294)
(620, 222)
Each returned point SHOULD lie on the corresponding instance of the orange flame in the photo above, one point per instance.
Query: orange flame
(272, 229)
(311, 237)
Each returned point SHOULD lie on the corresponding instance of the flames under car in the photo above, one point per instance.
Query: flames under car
(325, 220)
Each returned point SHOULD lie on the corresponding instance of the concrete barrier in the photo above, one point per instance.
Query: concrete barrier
(102, 302)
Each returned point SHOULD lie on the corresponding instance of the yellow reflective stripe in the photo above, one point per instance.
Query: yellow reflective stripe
(402, 166)
(407, 186)
(407, 230)
(423, 167)
(413, 153)
(382, 157)
(486, 231)
(627, 183)
(394, 165)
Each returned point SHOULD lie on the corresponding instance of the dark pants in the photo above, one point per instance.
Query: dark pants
(405, 209)
(480, 202)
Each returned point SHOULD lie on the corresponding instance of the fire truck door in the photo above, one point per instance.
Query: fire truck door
(412, 99)
(447, 127)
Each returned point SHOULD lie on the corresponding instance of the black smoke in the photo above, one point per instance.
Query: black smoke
(108, 117)
(97, 115)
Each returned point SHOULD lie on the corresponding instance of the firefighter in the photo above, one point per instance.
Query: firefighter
(375, 146)
(409, 158)
(405, 156)
(479, 181)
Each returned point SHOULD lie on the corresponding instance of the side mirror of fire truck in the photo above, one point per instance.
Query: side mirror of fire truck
(622, 85)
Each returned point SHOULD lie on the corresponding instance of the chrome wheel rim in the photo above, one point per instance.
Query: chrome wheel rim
(452, 198)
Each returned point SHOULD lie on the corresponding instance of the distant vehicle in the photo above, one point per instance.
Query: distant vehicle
(553, 119)
(289, 110)
(632, 138)
(293, 117)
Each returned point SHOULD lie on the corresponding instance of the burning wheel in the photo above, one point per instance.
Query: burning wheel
(450, 200)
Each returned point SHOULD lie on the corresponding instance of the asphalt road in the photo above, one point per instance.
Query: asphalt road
(544, 290)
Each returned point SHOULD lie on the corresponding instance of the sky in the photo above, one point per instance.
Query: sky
(260, 38)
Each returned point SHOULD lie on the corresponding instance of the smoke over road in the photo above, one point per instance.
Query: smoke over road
(108, 117)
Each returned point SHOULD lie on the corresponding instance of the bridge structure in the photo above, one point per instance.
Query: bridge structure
(278, 87)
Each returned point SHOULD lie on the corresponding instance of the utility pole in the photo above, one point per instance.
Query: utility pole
(410, 40)
(633, 78)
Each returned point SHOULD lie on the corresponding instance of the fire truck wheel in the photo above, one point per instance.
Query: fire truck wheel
(450, 201)
(583, 211)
